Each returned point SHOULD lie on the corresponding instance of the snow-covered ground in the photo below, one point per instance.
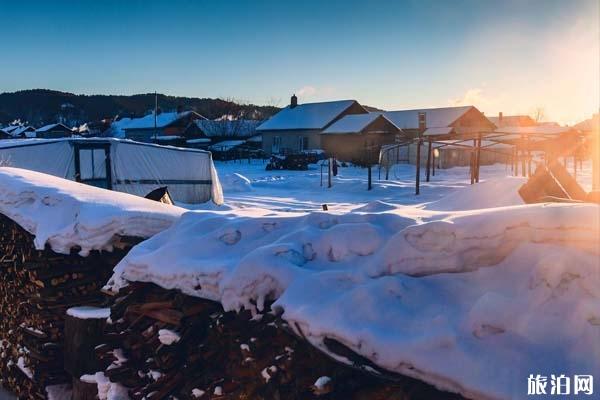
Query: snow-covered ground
(249, 186)
(463, 286)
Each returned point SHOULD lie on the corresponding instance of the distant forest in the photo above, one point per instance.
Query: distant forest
(39, 107)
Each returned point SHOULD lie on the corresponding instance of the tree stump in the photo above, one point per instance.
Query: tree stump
(84, 327)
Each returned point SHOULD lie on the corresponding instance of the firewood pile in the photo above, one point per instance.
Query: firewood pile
(36, 289)
(162, 344)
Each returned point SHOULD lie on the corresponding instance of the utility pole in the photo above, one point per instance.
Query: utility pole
(155, 111)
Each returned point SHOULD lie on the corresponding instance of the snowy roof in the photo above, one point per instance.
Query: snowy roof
(306, 116)
(198, 140)
(434, 117)
(10, 128)
(51, 127)
(512, 120)
(162, 120)
(353, 123)
(29, 131)
(255, 139)
(67, 214)
(590, 125)
(441, 130)
(535, 130)
(168, 138)
(225, 127)
(226, 145)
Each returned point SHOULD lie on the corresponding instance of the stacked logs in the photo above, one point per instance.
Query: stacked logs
(162, 344)
(36, 289)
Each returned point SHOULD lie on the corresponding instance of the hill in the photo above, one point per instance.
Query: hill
(41, 106)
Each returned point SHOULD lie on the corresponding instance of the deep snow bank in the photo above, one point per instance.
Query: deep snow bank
(522, 297)
(66, 214)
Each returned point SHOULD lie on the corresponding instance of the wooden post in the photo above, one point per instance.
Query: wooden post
(478, 158)
(433, 166)
(329, 172)
(428, 170)
(82, 335)
(472, 162)
(595, 145)
(369, 186)
(84, 390)
(418, 174)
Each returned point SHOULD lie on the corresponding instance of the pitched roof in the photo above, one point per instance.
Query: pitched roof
(307, 116)
(29, 131)
(435, 117)
(590, 125)
(10, 128)
(512, 120)
(51, 127)
(162, 120)
(534, 130)
(353, 123)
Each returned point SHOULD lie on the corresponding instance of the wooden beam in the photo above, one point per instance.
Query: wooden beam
(428, 173)
(418, 175)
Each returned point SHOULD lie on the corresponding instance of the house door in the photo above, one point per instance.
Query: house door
(92, 164)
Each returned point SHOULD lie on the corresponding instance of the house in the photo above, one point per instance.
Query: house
(298, 127)
(502, 121)
(450, 129)
(357, 138)
(54, 131)
(166, 127)
(441, 123)
(20, 131)
(4, 135)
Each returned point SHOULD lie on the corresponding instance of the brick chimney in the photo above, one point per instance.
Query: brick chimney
(422, 122)
(293, 101)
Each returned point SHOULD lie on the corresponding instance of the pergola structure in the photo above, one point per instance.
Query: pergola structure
(518, 143)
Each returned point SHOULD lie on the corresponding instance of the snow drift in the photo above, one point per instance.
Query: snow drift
(502, 293)
(67, 214)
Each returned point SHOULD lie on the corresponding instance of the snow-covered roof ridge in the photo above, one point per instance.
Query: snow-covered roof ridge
(307, 115)
(67, 214)
(162, 120)
(536, 129)
(380, 284)
(435, 117)
(49, 127)
(353, 123)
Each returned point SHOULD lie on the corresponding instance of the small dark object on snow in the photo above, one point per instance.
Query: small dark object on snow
(325, 208)
(551, 183)
(161, 194)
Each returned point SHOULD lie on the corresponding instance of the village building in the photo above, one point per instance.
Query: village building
(298, 127)
(451, 131)
(166, 128)
(357, 138)
(441, 123)
(502, 121)
(19, 131)
(53, 131)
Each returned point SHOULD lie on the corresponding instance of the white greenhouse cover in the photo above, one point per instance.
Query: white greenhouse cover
(136, 168)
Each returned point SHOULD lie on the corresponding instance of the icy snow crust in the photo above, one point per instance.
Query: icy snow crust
(470, 301)
(66, 214)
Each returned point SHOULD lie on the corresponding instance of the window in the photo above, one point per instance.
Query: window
(276, 146)
(302, 143)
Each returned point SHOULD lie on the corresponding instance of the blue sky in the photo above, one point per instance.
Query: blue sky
(510, 56)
